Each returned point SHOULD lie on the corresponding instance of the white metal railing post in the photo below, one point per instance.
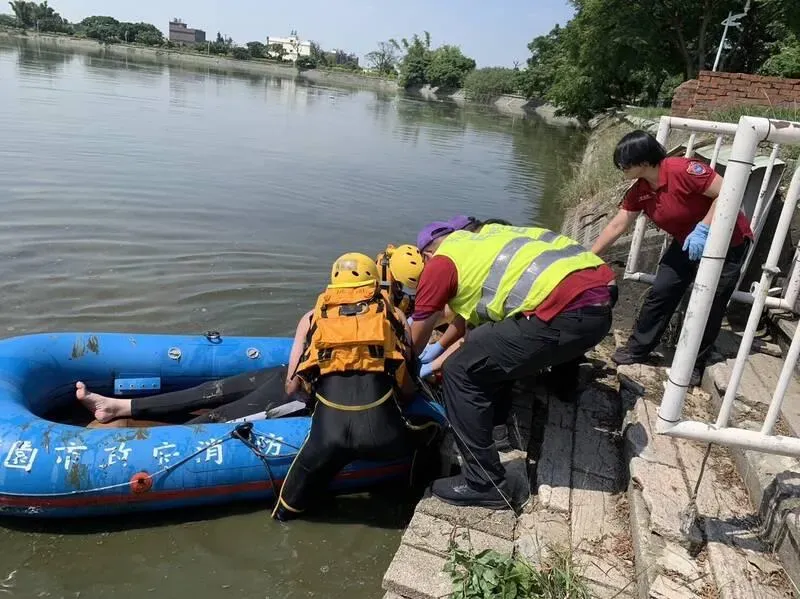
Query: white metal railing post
(793, 287)
(770, 269)
(783, 384)
(715, 155)
(750, 132)
(757, 221)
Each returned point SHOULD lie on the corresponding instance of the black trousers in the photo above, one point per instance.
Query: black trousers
(496, 353)
(675, 273)
(338, 437)
(233, 397)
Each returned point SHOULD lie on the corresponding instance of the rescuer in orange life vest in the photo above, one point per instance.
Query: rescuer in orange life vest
(354, 363)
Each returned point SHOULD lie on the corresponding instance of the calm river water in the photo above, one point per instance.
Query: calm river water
(150, 198)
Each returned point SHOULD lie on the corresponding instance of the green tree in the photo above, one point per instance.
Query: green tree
(384, 59)
(24, 12)
(277, 51)
(320, 58)
(101, 28)
(241, 53)
(8, 20)
(414, 65)
(786, 62)
(257, 49)
(488, 83)
(304, 63)
(448, 67)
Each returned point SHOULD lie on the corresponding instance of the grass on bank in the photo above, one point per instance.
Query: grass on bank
(596, 173)
(648, 112)
(492, 575)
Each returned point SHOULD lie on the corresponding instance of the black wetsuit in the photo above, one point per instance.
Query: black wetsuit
(229, 398)
(338, 437)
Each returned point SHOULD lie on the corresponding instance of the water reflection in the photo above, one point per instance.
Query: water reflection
(36, 57)
(168, 199)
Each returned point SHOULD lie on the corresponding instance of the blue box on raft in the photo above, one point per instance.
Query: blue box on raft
(134, 385)
(50, 469)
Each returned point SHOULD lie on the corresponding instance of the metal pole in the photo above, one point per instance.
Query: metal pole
(783, 384)
(750, 132)
(793, 288)
(722, 41)
(770, 269)
(735, 437)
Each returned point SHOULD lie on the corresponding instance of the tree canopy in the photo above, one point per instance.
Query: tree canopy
(445, 66)
(618, 51)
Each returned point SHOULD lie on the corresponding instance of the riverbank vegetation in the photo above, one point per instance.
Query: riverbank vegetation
(489, 574)
(41, 17)
(611, 53)
(615, 52)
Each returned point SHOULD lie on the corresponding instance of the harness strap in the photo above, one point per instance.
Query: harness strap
(369, 406)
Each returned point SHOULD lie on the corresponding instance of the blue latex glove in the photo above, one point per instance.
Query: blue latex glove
(696, 241)
(425, 371)
(431, 352)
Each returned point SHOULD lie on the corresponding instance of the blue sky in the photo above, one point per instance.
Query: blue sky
(493, 32)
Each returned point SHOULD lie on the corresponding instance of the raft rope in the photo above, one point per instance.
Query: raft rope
(166, 470)
(243, 432)
(428, 391)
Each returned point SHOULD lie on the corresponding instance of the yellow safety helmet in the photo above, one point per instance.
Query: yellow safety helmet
(353, 270)
(406, 265)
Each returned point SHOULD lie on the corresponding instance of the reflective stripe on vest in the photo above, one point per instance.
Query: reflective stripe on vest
(504, 270)
(523, 285)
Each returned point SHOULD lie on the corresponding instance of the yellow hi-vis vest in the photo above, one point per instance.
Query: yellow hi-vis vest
(505, 270)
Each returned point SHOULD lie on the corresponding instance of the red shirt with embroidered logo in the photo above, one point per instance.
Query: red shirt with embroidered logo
(678, 203)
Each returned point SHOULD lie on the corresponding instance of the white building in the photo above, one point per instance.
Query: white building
(293, 46)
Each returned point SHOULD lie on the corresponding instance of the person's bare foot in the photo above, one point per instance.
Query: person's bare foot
(105, 409)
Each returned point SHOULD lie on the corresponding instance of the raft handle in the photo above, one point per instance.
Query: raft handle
(213, 336)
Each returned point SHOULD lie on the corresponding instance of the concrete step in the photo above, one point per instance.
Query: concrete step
(723, 554)
(772, 481)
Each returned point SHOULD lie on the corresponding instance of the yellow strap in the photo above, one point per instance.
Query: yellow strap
(369, 406)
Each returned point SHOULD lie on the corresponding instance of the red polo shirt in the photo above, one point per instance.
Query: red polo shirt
(678, 203)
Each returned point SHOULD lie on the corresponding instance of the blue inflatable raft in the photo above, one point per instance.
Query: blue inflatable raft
(51, 469)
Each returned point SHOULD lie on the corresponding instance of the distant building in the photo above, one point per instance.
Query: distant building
(181, 34)
(340, 57)
(293, 47)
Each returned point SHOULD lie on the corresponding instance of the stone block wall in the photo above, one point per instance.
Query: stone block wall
(713, 90)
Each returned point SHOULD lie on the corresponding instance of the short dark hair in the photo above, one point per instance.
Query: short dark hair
(475, 224)
(638, 148)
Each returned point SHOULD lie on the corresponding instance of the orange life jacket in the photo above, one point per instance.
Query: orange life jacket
(353, 329)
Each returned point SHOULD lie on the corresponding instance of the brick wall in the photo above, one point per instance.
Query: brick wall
(711, 90)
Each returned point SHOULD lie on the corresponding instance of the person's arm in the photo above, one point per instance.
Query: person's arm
(455, 331)
(421, 332)
(712, 192)
(293, 382)
(614, 230)
(436, 365)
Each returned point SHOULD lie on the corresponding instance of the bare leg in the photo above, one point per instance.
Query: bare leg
(105, 409)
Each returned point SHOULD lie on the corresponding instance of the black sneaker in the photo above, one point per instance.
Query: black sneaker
(623, 357)
(455, 491)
